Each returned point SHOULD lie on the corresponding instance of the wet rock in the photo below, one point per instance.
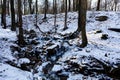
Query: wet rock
(31, 34)
(98, 31)
(15, 48)
(101, 18)
(35, 42)
(47, 68)
(4, 39)
(32, 31)
(115, 73)
(63, 77)
(25, 67)
(52, 50)
(104, 36)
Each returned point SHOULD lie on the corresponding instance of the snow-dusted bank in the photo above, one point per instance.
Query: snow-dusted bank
(104, 50)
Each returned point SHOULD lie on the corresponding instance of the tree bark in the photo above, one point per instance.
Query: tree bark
(21, 41)
(55, 13)
(98, 5)
(73, 5)
(82, 21)
(63, 6)
(30, 6)
(46, 8)
(65, 24)
(8, 6)
(13, 27)
(36, 11)
(69, 9)
(3, 17)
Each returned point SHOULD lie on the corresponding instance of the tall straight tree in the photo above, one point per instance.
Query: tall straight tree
(77, 4)
(89, 4)
(65, 23)
(36, 3)
(116, 2)
(105, 5)
(1, 12)
(45, 9)
(69, 8)
(62, 5)
(20, 35)
(98, 5)
(13, 27)
(25, 6)
(73, 5)
(55, 12)
(30, 6)
(8, 6)
(3, 17)
(82, 21)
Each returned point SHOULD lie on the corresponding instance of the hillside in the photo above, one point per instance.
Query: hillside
(54, 55)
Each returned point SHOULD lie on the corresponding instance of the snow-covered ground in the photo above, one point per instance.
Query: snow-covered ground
(107, 51)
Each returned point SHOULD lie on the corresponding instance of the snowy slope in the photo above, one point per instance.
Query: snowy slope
(107, 51)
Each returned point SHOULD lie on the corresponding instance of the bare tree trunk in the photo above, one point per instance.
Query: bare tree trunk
(8, 7)
(13, 27)
(82, 21)
(3, 17)
(98, 5)
(55, 13)
(69, 8)
(25, 4)
(115, 2)
(30, 6)
(63, 6)
(77, 5)
(1, 13)
(36, 11)
(20, 35)
(46, 8)
(115, 7)
(73, 5)
(105, 5)
(65, 24)
(89, 4)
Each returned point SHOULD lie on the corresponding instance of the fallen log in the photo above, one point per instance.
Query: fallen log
(109, 69)
(114, 29)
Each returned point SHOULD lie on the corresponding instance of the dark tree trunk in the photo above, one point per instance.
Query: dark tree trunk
(77, 5)
(13, 26)
(36, 16)
(69, 9)
(46, 8)
(1, 13)
(115, 2)
(3, 17)
(20, 35)
(73, 5)
(89, 5)
(105, 5)
(65, 24)
(25, 4)
(63, 6)
(55, 12)
(82, 21)
(98, 5)
(30, 6)
(8, 6)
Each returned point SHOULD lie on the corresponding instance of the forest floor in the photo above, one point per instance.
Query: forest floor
(52, 54)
